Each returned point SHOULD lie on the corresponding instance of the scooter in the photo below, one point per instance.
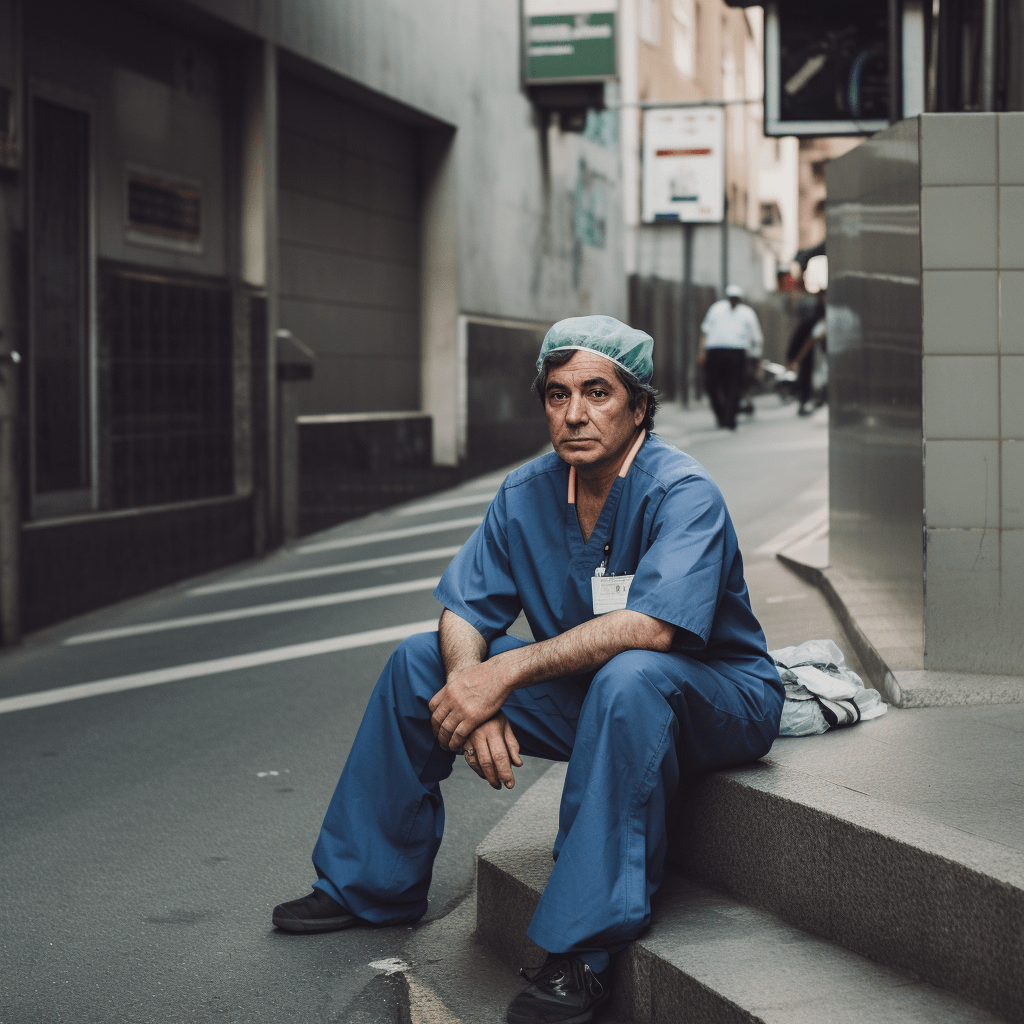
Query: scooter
(779, 379)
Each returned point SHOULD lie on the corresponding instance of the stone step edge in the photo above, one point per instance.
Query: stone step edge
(905, 688)
(880, 881)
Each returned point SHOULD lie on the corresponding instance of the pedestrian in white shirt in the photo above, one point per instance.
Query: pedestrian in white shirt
(730, 334)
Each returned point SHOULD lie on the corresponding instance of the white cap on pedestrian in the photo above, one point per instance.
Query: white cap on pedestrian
(733, 291)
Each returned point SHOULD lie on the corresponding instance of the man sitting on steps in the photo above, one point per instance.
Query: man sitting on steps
(648, 667)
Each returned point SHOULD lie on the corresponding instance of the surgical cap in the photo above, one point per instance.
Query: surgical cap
(623, 345)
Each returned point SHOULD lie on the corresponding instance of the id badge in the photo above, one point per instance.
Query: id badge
(609, 593)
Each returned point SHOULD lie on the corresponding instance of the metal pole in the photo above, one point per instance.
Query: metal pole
(684, 360)
(988, 56)
(725, 240)
(896, 61)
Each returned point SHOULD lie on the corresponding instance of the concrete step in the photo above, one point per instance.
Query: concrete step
(840, 908)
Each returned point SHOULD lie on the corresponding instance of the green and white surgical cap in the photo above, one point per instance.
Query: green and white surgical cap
(623, 345)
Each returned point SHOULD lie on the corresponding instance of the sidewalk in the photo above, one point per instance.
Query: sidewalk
(875, 873)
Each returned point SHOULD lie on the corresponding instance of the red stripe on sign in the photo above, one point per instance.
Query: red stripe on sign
(682, 152)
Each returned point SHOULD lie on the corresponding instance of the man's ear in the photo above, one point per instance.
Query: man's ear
(640, 411)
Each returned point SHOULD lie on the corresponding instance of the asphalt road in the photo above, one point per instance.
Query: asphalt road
(148, 826)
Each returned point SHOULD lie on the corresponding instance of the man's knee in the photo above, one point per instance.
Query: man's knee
(628, 683)
(415, 668)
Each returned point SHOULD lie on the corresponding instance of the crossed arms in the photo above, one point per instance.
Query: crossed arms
(466, 711)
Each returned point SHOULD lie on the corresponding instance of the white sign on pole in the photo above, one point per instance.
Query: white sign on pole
(684, 165)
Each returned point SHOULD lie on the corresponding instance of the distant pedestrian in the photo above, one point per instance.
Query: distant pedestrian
(800, 354)
(730, 334)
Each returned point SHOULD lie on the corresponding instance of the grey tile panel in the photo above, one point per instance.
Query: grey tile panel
(1011, 148)
(875, 373)
(958, 149)
(959, 227)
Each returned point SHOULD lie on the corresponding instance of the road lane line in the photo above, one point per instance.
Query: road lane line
(445, 503)
(377, 538)
(117, 684)
(815, 522)
(299, 604)
(327, 570)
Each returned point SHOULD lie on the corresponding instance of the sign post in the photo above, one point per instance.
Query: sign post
(683, 181)
(684, 165)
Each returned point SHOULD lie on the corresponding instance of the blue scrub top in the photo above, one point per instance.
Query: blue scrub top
(667, 523)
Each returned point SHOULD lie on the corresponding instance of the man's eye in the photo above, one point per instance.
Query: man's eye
(598, 393)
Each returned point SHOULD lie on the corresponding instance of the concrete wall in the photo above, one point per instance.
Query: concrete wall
(524, 187)
(146, 88)
(926, 356)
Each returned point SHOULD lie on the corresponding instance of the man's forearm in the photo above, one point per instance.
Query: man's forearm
(475, 689)
(462, 646)
(584, 648)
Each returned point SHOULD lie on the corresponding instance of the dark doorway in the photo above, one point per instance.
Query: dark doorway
(60, 298)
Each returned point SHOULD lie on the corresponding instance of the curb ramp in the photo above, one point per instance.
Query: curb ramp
(803, 902)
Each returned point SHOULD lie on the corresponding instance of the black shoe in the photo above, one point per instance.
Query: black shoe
(316, 912)
(564, 991)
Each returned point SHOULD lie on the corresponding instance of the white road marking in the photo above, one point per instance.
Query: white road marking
(386, 535)
(327, 570)
(392, 965)
(812, 523)
(137, 680)
(444, 503)
(299, 604)
(785, 597)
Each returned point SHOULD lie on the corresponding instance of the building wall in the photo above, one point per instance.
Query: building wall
(522, 249)
(814, 157)
(370, 176)
(926, 383)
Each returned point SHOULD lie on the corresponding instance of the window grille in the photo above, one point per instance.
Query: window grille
(166, 410)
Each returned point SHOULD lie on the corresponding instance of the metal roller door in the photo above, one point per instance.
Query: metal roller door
(349, 226)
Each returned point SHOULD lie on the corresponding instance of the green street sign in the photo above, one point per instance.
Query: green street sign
(570, 47)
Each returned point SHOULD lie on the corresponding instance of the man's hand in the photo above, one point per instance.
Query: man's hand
(491, 751)
(470, 697)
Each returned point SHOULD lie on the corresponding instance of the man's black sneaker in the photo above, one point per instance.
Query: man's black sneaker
(564, 991)
(316, 912)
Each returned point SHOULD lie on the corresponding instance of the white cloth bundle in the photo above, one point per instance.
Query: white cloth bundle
(822, 693)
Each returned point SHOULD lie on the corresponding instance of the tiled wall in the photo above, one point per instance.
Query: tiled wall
(972, 255)
(927, 354)
(874, 346)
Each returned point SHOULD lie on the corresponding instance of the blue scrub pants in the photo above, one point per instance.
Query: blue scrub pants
(645, 720)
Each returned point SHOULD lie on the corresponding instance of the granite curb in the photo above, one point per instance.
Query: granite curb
(865, 902)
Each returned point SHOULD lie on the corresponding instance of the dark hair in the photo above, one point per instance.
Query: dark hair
(635, 389)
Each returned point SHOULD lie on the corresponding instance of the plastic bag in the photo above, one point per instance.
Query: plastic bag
(822, 692)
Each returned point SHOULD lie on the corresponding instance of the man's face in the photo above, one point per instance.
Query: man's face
(734, 301)
(588, 411)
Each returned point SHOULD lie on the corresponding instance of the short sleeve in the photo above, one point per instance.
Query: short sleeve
(478, 585)
(756, 328)
(708, 321)
(679, 577)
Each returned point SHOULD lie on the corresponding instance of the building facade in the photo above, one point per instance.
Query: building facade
(693, 51)
(191, 194)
